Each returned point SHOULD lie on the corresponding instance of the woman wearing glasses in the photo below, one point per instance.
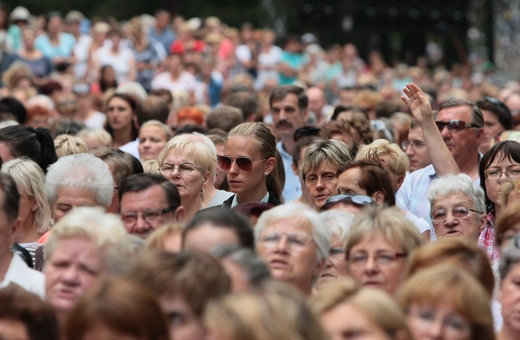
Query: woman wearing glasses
(500, 164)
(252, 165)
(188, 163)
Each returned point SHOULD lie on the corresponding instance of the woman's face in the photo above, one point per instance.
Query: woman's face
(509, 297)
(119, 113)
(347, 322)
(190, 185)
(336, 263)
(246, 183)
(375, 262)
(500, 164)
(492, 127)
(438, 320)
(71, 197)
(73, 267)
(321, 183)
(152, 140)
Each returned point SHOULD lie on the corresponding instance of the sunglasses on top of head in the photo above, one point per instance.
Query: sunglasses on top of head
(455, 125)
(245, 164)
(354, 199)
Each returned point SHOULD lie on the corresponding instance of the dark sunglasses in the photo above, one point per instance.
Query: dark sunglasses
(245, 164)
(455, 125)
(357, 200)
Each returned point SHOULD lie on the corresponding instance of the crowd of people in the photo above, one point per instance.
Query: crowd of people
(164, 178)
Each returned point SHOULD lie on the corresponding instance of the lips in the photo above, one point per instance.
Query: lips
(372, 283)
(278, 264)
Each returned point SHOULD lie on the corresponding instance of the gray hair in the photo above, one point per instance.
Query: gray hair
(338, 223)
(457, 183)
(333, 151)
(509, 257)
(297, 212)
(106, 231)
(82, 171)
(255, 268)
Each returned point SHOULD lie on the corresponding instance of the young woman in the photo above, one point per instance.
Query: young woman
(121, 120)
(251, 164)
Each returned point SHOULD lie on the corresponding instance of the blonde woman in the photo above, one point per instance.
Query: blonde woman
(66, 145)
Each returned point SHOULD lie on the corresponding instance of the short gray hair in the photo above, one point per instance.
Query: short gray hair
(106, 231)
(83, 171)
(333, 151)
(298, 212)
(457, 183)
(338, 223)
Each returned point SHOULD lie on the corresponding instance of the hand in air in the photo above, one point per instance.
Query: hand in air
(417, 102)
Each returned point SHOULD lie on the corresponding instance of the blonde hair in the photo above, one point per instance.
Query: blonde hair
(99, 136)
(156, 239)
(398, 161)
(167, 131)
(151, 166)
(377, 305)
(443, 283)
(276, 312)
(66, 145)
(30, 179)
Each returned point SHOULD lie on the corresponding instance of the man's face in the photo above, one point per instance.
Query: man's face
(290, 252)
(316, 100)
(143, 211)
(287, 116)
(8, 231)
(416, 150)
(464, 144)
(469, 226)
(513, 103)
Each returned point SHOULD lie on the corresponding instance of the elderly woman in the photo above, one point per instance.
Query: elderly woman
(446, 303)
(276, 312)
(321, 161)
(188, 163)
(346, 308)
(294, 243)
(378, 246)
(338, 223)
(84, 246)
(34, 209)
(457, 207)
(78, 180)
(509, 269)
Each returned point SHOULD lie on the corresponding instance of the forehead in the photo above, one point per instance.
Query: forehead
(150, 198)
(453, 199)
(462, 112)
(324, 167)
(289, 100)
(416, 134)
(76, 196)
(290, 224)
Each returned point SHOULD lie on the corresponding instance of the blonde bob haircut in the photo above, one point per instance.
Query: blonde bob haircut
(106, 232)
(375, 304)
(397, 160)
(30, 179)
(446, 284)
(389, 223)
(200, 153)
(277, 311)
(458, 252)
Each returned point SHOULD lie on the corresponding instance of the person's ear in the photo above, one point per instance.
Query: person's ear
(483, 222)
(269, 165)
(379, 198)
(399, 182)
(294, 169)
(179, 213)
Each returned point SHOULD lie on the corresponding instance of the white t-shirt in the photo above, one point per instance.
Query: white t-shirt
(120, 62)
(186, 82)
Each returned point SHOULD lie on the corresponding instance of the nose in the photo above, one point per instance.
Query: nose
(435, 329)
(409, 150)
(234, 167)
(445, 132)
(70, 275)
(319, 183)
(450, 220)
(371, 265)
(282, 244)
(141, 225)
(283, 115)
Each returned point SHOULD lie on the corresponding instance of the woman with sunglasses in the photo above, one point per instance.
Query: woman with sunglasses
(252, 165)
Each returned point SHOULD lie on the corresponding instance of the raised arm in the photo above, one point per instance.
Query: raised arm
(421, 109)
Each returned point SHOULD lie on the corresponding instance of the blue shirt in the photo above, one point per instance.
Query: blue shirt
(292, 188)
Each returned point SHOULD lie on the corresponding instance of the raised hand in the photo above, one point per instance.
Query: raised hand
(417, 102)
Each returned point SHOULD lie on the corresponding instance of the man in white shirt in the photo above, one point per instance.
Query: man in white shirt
(12, 267)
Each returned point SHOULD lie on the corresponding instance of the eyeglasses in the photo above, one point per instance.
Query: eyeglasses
(381, 259)
(245, 164)
(296, 240)
(458, 212)
(184, 169)
(495, 174)
(149, 216)
(455, 125)
(414, 144)
(355, 199)
(455, 326)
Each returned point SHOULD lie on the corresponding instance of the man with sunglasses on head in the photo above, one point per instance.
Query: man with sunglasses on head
(288, 104)
(148, 201)
(452, 137)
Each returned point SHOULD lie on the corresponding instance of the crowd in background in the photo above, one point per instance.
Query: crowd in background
(172, 178)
